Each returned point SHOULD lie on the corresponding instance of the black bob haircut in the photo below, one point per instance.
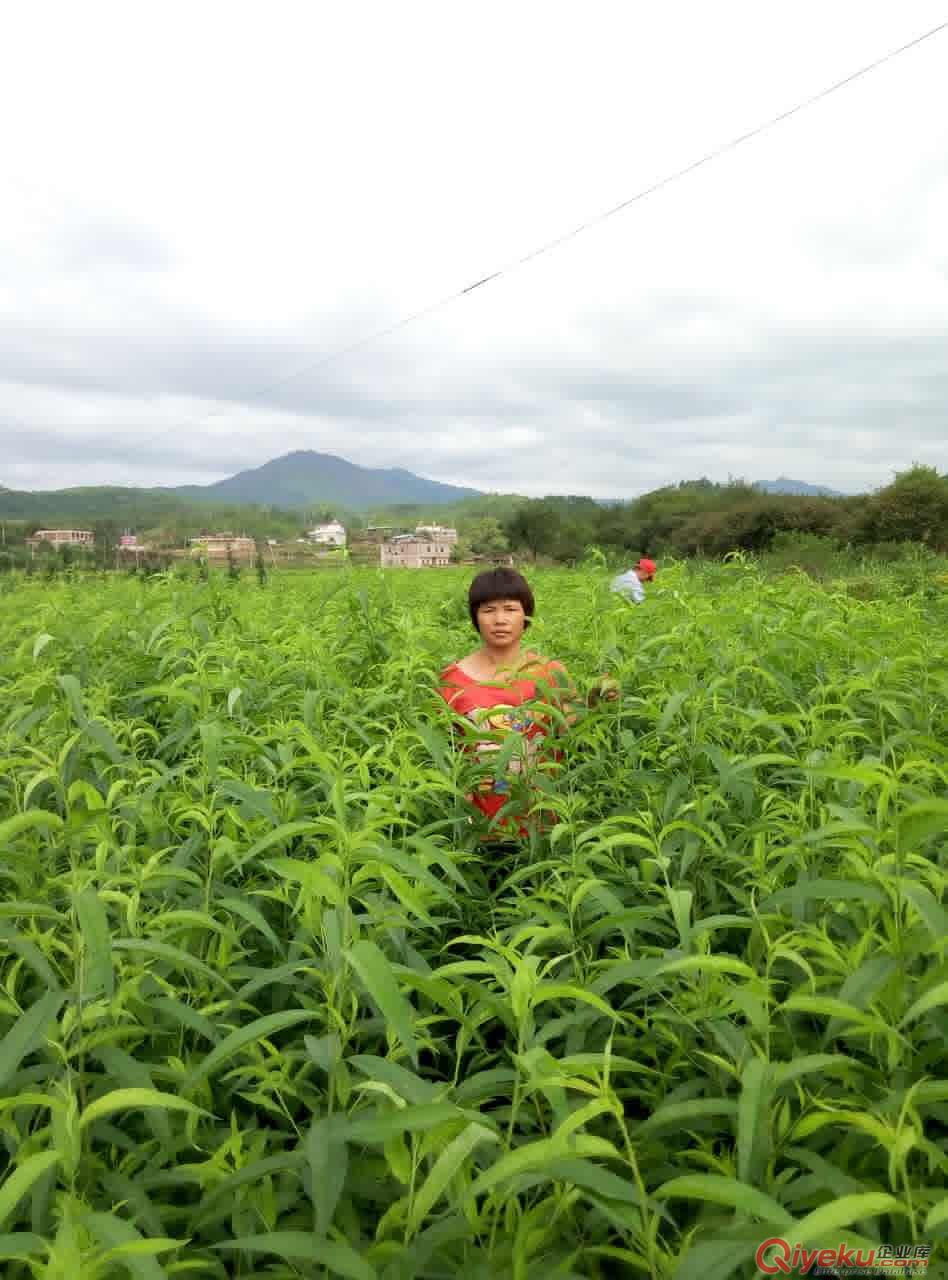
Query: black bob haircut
(499, 584)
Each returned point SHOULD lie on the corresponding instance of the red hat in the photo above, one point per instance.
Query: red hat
(648, 567)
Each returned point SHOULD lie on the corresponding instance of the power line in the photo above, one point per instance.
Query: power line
(550, 245)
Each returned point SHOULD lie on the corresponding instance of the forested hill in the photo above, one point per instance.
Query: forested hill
(146, 511)
(92, 502)
(783, 484)
(300, 479)
(696, 517)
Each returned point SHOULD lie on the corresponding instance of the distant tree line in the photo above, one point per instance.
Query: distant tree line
(700, 517)
(693, 518)
(163, 522)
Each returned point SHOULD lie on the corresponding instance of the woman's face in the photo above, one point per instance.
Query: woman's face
(501, 622)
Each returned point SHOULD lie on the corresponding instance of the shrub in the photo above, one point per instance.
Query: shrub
(269, 1010)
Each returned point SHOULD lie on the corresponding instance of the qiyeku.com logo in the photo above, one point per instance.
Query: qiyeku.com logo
(780, 1257)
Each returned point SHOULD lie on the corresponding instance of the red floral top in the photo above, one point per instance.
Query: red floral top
(500, 708)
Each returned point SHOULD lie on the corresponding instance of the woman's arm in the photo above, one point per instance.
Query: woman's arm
(605, 689)
(568, 699)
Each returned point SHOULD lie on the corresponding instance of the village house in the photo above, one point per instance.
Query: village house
(496, 560)
(375, 534)
(129, 542)
(332, 534)
(62, 538)
(365, 544)
(436, 533)
(428, 547)
(217, 545)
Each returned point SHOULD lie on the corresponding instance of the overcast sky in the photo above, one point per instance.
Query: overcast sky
(200, 202)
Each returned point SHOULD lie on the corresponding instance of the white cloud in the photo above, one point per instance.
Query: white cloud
(207, 203)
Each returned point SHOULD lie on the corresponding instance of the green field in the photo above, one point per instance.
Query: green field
(265, 1011)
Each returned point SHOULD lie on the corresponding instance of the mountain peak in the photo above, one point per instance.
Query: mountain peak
(784, 484)
(306, 477)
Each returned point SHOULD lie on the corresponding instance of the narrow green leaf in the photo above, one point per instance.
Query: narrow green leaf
(753, 1119)
(861, 988)
(718, 1189)
(787, 1072)
(256, 1171)
(252, 915)
(174, 956)
(565, 991)
(98, 734)
(73, 691)
(594, 1178)
(929, 908)
(445, 1167)
(833, 1180)
(380, 982)
(843, 1213)
(134, 1100)
(131, 1073)
(254, 801)
(383, 1123)
(719, 1258)
(315, 880)
(185, 1016)
(816, 1120)
(277, 836)
(919, 822)
(27, 1033)
(405, 1083)
(681, 901)
(924, 1004)
(826, 891)
(328, 1157)
(681, 1114)
(259, 1029)
(32, 956)
(297, 1246)
(707, 964)
(830, 1007)
(477, 1088)
(282, 973)
(21, 1244)
(31, 820)
(22, 1178)
(937, 1215)
(97, 971)
(537, 1155)
(125, 1245)
(672, 706)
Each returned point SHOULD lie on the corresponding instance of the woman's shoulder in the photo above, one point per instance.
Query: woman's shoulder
(531, 665)
(451, 674)
(461, 666)
(550, 675)
(462, 674)
(453, 684)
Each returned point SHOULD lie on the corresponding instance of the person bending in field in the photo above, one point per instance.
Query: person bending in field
(629, 584)
(502, 688)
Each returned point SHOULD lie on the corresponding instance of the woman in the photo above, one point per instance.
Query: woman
(502, 689)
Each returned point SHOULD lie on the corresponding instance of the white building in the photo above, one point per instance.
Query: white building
(328, 535)
(63, 537)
